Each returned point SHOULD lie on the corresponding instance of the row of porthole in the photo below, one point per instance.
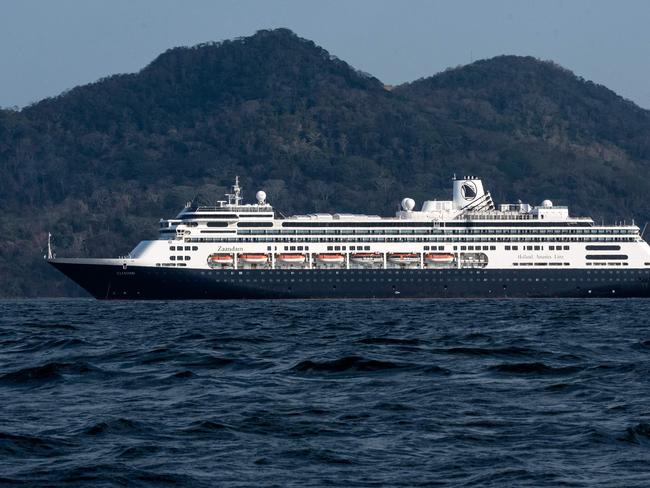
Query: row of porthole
(455, 272)
(419, 280)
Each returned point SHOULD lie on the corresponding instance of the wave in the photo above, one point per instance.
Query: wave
(640, 433)
(205, 427)
(389, 341)
(558, 387)
(117, 474)
(50, 345)
(208, 362)
(45, 325)
(533, 368)
(23, 445)
(46, 373)
(184, 358)
(183, 374)
(141, 450)
(158, 355)
(349, 363)
(119, 426)
(325, 456)
(500, 351)
(615, 367)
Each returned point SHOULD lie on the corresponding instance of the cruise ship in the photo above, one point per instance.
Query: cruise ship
(466, 247)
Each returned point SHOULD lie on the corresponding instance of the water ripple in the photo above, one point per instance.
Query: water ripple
(539, 393)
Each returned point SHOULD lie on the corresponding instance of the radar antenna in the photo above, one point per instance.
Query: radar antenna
(235, 198)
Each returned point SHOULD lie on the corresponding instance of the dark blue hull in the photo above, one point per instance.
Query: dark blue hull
(135, 282)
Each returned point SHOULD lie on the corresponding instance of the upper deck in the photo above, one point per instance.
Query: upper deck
(471, 208)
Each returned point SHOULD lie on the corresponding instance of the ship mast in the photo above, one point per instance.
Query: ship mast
(50, 254)
(235, 198)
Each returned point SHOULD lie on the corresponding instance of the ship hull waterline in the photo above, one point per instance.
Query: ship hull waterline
(117, 282)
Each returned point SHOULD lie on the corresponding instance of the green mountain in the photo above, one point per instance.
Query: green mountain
(100, 164)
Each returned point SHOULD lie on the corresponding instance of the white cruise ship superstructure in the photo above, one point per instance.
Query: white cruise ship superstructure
(463, 247)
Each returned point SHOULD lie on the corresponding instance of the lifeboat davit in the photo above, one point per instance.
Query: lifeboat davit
(220, 259)
(253, 258)
(404, 258)
(439, 258)
(291, 258)
(366, 257)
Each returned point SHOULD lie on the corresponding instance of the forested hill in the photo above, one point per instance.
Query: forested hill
(100, 164)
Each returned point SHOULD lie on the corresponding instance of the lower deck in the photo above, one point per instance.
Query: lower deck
(138, 282)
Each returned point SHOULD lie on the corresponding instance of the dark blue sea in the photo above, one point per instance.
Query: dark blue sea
(325, 393)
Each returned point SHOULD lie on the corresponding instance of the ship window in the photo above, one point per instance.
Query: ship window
(463, 248)
(180, 258)
(493, 248)
(195, 248)
(329, 248)
(367, 248)
(607, 256)
(172, 258)
(603, 248)
(172, 248)
(566, 248)
(537, 248)
(255, 224)
(217, 224)
(337, 248)
(507, 248)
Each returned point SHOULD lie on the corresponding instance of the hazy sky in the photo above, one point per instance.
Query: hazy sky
(48, 46)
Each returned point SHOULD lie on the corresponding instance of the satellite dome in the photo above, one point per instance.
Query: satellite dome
(547, 204)
(260, 196)
(408, 204)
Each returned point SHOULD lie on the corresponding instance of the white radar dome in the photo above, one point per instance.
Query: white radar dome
(547, 204)
(260, 196)
(408, 204)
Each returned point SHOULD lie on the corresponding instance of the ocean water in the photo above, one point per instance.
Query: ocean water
(325, 393)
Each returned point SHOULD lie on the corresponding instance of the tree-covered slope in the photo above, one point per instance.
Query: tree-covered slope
(99, 164)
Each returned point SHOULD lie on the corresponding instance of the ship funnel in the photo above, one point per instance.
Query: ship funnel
(467, 191)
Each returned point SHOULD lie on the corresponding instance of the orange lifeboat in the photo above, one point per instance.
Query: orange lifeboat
(253, 258)
(330, 258)
(291, 258)
(404, 258)
(443, 258)
(215, 260)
